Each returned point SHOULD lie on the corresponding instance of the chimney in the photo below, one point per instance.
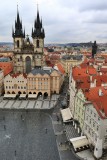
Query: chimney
(100, 73)
(93, 84)
(87, 71)
(100, 93)
(90, 78)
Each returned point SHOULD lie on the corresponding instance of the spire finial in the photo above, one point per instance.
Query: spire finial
(17, 7)
(37, 6)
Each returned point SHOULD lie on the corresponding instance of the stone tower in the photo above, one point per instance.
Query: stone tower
(18, 35)
(38, 36)
(28, 55)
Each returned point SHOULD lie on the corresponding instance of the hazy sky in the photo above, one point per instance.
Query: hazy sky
(63, 20)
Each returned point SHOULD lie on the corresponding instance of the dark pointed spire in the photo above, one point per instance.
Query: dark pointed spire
(32, 31)
(24, 33)
(41, 22)
(18, 27)
(38, 30)
(12, 31)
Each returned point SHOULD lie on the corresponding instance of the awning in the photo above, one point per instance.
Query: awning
(66, 114)
(9, 95)
(22, 95)
(79, 142)
(32, 95)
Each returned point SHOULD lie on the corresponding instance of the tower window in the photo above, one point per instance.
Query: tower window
(17, 43)
(37, 43)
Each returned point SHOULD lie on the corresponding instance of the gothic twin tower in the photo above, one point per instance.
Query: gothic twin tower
(28, 55)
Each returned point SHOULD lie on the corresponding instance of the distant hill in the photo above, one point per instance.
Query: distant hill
(87, 44)
(6, 43)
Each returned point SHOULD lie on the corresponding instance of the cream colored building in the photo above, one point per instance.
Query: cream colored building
(15, 84)
(71, 60)
(43, 81)
(1, 81)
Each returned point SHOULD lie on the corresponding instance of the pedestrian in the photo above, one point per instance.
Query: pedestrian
(15, 153)
(21, 117)
(4, 127)
(60, 143)
(57, 118)
(46, 130)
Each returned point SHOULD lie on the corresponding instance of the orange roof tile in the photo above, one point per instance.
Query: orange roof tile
(99, 102)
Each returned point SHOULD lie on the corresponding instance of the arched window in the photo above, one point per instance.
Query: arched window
(17, 43)
(37, 43)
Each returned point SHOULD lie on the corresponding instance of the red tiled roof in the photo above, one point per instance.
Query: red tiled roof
(101, 106)
(93, 95)
(103, 69)
(17, 74)
(82, 76)
(100, 79)
(99, 102)
(79, 71)
(60, 68)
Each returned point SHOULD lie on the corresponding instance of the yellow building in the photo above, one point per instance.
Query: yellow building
(71, 60)
(15, 84)
(43, 81)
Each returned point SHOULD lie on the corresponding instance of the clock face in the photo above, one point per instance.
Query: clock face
(15, 86)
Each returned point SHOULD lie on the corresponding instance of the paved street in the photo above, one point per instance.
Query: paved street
(23, 136)
(40, 103)
(64, 148)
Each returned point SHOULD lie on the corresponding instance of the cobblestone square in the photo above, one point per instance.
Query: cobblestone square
(23, 136)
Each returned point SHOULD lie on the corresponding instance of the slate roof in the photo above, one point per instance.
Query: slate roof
(41, 71)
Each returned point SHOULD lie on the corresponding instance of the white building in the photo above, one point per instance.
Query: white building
(95, 126)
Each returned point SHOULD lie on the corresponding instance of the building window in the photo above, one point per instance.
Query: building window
(17, 43)
(94, 115)
(87, 118)
(93, 124)
(95, 138)
(37, 43)
(97, 128)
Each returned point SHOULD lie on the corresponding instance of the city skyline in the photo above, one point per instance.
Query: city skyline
(64, 22)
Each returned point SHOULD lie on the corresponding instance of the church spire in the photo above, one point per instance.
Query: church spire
(18, 27)
(38, 30)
